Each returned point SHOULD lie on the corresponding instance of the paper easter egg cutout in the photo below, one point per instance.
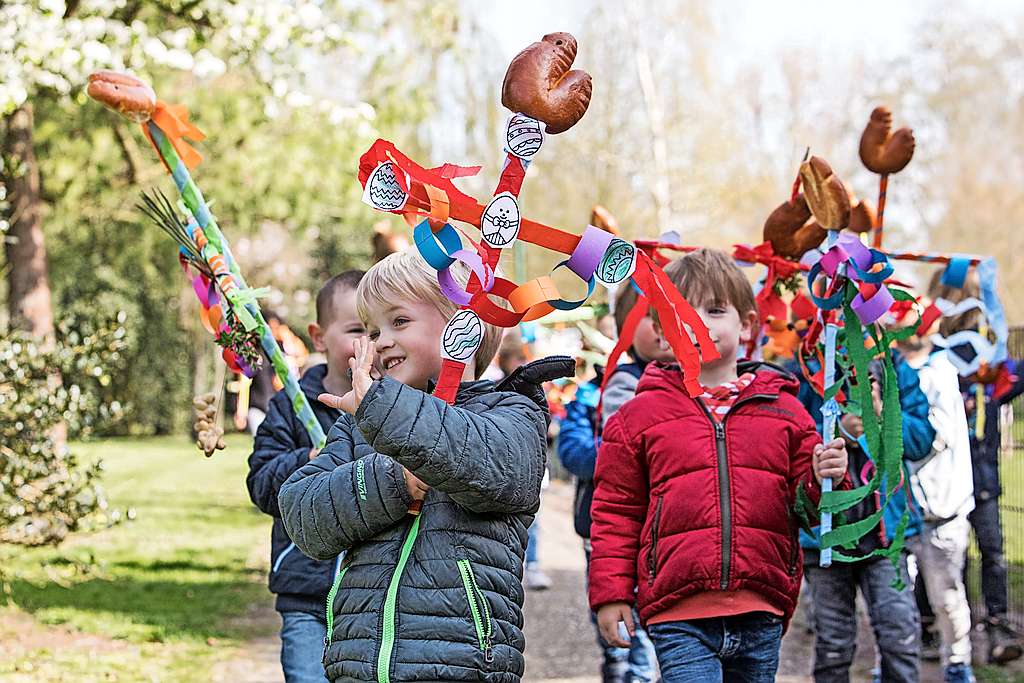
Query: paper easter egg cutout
(618, 262)
(382, 190)
(499, 224)
(523, 136)
(462, 336)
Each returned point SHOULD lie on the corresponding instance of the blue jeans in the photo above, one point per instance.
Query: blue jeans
(744, 648)
(533, 542)
(302, 647)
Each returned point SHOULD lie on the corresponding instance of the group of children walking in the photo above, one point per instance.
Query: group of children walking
(686, 505)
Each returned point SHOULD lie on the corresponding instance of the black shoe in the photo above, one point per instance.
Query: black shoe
(1004, 642)
(929, 645)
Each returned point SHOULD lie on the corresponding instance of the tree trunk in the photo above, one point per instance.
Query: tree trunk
(28, 285)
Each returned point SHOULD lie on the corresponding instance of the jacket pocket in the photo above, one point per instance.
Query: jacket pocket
(479, 609)
(793, 540)
(280, 558)
(652, 554)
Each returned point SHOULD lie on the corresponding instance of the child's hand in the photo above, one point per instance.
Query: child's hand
(417, 489)
(830, 460)
(361, 364)
(608, 618)
(313, 452)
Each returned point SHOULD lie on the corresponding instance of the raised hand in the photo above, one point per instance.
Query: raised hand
(361, 365)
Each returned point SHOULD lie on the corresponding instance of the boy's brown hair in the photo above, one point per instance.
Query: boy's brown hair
(709, 276)
(346, 281)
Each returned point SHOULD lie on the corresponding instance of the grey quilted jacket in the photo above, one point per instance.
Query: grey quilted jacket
(435, 597)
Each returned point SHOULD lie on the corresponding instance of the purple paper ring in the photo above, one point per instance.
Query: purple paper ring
(452, 289)
(587, 255)
(856, 250)
(870, 310)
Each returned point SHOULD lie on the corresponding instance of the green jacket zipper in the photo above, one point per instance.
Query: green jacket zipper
(479, 609)
(330, 610)
(387, 638)
(724, 495)
(652, 554)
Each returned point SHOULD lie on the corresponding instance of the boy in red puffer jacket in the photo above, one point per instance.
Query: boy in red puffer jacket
(692, 511)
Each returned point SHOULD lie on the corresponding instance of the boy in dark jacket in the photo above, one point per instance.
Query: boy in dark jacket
(435, 596)
(693, 498)
(282, 446)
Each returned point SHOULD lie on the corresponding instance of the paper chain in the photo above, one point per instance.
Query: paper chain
(428, 199)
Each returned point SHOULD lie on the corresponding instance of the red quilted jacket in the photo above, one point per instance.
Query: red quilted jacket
(684, 505)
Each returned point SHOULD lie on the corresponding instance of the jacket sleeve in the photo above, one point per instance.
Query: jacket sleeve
(918, 432)
(620, 388)
(344, 496)
(277, 452)
(490, 461)
(618, 511)
(576, 448)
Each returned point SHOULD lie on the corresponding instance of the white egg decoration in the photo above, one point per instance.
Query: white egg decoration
(382, 190)
(523, 136)
(499, 224)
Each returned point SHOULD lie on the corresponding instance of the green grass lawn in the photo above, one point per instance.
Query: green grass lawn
(165, 591)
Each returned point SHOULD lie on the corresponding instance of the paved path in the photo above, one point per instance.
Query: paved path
(560, 637)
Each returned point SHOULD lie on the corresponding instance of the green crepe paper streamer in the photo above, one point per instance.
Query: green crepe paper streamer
(216, 243)
(884, 440)
(240, 299)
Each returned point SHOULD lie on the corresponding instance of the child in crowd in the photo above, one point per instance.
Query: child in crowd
(647, 346)
(1004, 642)
(282, 446)
(943, 489)
(435, 596)
(893, 613)
(693, 498)
(577, 451)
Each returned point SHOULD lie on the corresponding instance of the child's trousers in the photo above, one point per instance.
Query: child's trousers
(740, 649)
(302, 647)
(893, 613)
(940, 551)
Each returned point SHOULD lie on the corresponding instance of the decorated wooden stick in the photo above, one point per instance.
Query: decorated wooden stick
(167, 127)
(830, 203)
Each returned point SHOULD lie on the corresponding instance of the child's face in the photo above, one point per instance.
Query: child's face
(649, 344)
(407, 338)
(336, 339)
(727, 329)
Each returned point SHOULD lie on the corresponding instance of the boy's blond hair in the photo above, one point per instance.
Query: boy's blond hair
(709, 276)
(404, 275)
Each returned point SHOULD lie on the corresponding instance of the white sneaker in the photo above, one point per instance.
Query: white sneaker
(535, 579)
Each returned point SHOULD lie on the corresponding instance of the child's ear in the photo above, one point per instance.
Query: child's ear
(749, 327)
(316, 334)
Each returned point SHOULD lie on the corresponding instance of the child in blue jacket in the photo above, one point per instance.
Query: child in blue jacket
(894, 615)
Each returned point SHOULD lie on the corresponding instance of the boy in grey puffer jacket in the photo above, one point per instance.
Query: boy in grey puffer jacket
(438, 596)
